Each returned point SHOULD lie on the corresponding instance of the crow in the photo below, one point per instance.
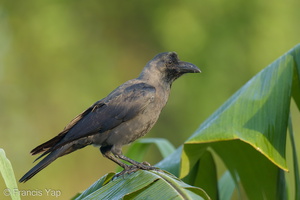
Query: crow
(126, 114)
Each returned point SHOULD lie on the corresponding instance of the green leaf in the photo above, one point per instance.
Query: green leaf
(98, 184)
(204, 175)
(257, 114)
(143, 185)
(8, 176)
(249, 167)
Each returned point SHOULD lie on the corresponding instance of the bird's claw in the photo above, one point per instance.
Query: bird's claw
(147, 166)
(146, 163)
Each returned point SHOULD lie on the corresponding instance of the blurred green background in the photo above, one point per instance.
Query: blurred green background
(59, 57)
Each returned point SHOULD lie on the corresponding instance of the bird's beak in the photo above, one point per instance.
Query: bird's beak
(186, 67)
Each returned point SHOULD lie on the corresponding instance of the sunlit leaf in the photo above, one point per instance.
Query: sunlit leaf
(257, 114)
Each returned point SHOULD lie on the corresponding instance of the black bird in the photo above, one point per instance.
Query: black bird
(126, 114)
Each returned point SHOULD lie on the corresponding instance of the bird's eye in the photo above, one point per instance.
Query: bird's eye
(170, 62)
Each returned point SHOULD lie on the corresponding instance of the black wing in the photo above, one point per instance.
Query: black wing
(121, 105)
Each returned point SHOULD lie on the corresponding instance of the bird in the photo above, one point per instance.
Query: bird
(126, 114)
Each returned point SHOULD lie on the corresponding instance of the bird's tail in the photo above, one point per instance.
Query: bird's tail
(46, 161)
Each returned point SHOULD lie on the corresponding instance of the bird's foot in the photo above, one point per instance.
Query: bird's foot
(133, 168)
(128, 170)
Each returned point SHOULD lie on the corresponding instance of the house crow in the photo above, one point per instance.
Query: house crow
(126, 114)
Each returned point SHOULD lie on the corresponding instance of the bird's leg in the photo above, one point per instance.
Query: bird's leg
(113, 153)
(116, 150)
(107, 153)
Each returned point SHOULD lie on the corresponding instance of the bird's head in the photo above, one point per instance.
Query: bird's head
(167, 67)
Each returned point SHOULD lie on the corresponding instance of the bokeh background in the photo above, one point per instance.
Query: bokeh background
(59, 57)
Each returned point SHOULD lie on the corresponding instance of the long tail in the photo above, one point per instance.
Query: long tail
(46, 161)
